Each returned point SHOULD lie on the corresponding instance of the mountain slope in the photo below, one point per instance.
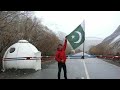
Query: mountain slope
(110, 45)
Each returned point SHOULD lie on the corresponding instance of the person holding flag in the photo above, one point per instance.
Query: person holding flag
(75, 38)
(60, 57)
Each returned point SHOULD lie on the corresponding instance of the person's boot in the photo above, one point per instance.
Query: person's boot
(58, 75)
(65, 76)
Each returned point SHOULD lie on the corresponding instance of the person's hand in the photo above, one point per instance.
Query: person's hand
(62, 61)
(65, 37)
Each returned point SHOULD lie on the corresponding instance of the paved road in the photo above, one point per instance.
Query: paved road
(91, 68)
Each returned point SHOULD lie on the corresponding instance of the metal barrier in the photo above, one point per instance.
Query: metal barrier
(49, 57)
(27, 58)
(109, 57)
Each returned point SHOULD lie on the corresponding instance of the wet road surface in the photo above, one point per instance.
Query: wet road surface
(91, 68)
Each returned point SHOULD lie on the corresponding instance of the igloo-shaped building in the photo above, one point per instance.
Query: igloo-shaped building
(22, 55)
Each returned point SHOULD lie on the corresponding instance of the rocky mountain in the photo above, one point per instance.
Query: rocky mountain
(111, 44)
(113, 36)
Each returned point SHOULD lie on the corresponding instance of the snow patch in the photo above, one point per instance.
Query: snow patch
(118, 37)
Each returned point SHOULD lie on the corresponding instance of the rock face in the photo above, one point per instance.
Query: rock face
(113, 36)
(111, 44)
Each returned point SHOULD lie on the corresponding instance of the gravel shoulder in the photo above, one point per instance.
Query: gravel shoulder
(115, 62)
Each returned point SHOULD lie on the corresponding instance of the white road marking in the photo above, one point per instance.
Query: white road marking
(86, 71)
(82, 78)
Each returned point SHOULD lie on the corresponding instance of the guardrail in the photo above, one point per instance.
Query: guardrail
(28, 58)
(110, 57)
(42, 58)
(46, 58)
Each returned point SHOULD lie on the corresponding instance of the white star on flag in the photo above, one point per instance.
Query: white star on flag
(73, 36)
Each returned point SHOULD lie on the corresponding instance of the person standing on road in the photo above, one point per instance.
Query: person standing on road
(60, 57)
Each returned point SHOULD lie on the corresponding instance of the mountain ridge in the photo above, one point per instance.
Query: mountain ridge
(110, 45)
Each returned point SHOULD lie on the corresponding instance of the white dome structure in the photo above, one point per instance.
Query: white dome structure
(22, 55)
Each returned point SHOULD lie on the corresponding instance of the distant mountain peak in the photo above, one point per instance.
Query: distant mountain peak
(117, 30)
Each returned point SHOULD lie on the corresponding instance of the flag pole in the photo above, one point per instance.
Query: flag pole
(84, 40)
(83, 50)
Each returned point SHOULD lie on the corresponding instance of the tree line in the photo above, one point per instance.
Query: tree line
(17, 25)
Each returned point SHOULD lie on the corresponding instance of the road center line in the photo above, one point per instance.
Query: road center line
(86, 71)
(82, 78)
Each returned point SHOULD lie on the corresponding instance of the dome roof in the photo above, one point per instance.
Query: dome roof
(21, 49)
(22, 41)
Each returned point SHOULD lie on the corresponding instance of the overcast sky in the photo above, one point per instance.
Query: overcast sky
(97, 23)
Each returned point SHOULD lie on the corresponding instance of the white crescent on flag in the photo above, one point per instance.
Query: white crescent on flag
(79, 37)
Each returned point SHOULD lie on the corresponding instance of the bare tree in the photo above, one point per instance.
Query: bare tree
(16, 25)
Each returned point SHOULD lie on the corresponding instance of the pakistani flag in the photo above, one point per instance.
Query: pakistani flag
(77, 37)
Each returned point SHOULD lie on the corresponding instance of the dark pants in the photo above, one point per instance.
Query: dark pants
(60, 66)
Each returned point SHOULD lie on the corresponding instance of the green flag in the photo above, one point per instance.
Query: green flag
(77, 37)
